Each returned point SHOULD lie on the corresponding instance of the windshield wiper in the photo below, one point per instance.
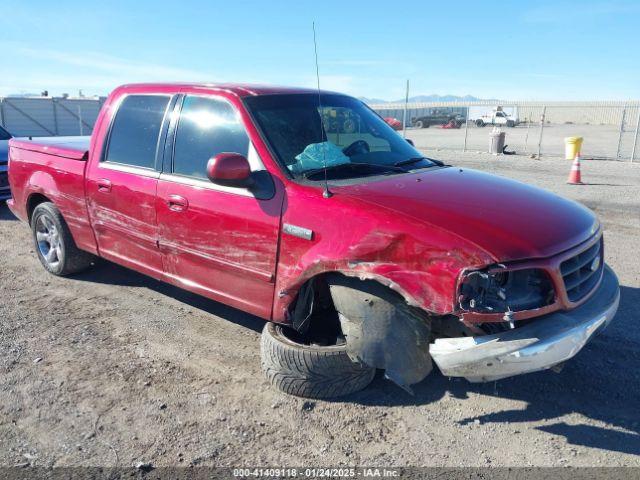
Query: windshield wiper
(416, 160)
(340, 166)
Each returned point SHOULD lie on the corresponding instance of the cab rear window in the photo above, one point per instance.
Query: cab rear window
(133, 139)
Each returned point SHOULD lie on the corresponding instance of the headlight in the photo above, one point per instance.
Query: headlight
(497, 290)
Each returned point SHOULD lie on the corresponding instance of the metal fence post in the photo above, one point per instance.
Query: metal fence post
(2, 111)
(80, 119)
(526, 137)
(542, 119)
(635, 136)
(404, 113)
(624, 114)
(466, 131)
(56, 129)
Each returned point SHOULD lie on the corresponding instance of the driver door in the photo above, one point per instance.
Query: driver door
(220, 242)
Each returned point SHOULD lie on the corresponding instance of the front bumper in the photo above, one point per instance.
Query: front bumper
(542, 344)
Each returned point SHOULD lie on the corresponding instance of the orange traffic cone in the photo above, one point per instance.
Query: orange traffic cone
(574, 174)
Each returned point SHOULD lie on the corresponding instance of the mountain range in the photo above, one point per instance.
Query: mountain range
(425, 99)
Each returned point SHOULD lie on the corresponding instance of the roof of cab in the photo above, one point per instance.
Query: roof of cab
(238, 89)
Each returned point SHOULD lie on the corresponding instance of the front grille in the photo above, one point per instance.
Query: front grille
(579, 274)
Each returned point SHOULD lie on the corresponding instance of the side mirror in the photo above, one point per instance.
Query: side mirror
(230, 169)
(410, 142)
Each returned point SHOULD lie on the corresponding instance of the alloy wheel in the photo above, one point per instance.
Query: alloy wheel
(49, 243)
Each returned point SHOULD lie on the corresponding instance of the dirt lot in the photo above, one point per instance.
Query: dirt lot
(600, 141)
(111, 368)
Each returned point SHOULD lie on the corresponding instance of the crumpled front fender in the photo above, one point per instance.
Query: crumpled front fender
(418, 261)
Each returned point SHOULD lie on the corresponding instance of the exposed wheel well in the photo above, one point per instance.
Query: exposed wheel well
(33, 201)
(313, 312)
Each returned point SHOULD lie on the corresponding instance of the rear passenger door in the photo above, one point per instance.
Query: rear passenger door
(217, 241)
(121, 186)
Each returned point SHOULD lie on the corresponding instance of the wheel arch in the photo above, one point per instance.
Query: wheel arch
(33, 200)
(382, 330)
(294, 308)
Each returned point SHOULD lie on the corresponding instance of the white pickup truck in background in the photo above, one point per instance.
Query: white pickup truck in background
(482, 116)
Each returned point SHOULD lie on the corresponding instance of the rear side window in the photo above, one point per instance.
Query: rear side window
(207, 127)
(134, 134)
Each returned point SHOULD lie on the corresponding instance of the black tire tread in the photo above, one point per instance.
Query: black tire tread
(310, 372)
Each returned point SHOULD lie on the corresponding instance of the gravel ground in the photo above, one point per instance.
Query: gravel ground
(112, 368)
(600, 141)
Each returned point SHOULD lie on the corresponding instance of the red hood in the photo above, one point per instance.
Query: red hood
(508, 219)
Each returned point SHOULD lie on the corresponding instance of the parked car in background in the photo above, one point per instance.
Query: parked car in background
(308, 210)
(5, 191)
(482, 116)
(436, 117)
(393, 123)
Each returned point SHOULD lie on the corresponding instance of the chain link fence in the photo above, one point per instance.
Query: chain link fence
(609, 129)
(49, 116)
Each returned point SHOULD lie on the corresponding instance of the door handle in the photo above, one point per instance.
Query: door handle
(104, 185)
(177, 203)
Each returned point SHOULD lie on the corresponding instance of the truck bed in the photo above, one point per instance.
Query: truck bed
(54, 168)
(74, 148)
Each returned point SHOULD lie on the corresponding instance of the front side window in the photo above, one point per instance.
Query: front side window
(352, 141)
(207, 127)
(133, 139)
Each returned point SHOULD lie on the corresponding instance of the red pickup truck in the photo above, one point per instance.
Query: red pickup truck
(360, 252)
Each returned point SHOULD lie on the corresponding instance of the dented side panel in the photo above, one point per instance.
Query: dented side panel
(422, 264)
(60, 179)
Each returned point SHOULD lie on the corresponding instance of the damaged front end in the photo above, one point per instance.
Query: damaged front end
(538, 345)
(381, 330)
(497, 294)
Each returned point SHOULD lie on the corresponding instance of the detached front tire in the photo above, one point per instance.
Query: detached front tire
(310, 370)
(54, 244)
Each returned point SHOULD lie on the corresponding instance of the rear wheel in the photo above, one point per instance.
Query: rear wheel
(479, 123)
(419, 124)
(311, 371)
(54, 244)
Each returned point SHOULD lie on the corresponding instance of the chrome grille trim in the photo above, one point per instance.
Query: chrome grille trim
(577, 273)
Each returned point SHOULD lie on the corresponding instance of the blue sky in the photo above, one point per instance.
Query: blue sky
(560, 50)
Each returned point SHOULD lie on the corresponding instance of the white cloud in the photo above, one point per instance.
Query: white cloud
(92, 72)
(361, 63)
(338, 83)
(119, 66)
